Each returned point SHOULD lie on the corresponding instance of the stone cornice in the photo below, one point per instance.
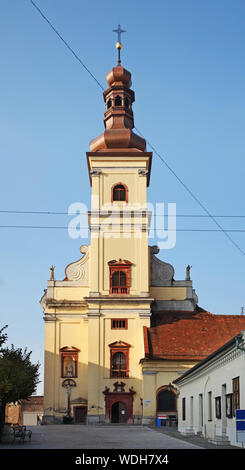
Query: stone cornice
(65, 283)
(126, 212)
(117, 311)
(49, 318)
(145, 314)
(121, 155)
(119, 298)
(53, 317)
(93, 313)
(52, 303)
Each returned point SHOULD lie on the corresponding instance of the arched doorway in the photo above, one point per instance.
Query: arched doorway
(166, 400)
(118, 412)
(119, 404)
(167, 404)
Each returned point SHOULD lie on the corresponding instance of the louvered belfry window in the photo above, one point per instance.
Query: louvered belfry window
(118, 101)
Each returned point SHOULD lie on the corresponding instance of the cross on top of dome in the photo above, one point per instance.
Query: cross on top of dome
(119, 31)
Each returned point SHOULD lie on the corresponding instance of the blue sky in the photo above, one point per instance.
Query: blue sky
(187, 63)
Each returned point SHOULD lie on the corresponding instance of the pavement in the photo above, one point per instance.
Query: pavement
(113, 436)
(191, 439)
(100, 437)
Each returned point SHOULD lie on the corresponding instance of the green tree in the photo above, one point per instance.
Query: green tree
(3, 339)
(3, 336)
(18, 377)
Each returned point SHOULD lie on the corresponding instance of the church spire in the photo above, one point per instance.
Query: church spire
(118, 116)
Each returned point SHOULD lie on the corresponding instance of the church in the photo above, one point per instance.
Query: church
(119, 329)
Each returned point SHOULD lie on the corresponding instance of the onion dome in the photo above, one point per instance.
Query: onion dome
(118, 117)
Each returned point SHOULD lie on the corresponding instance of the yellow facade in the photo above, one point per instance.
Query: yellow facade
(79, 310)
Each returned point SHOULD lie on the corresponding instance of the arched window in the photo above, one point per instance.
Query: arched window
(118, 101)
(119, 283)
(119, 279)
(109, 103)
(119, 276)
(119, 193)
(119, 361)
(126, 102)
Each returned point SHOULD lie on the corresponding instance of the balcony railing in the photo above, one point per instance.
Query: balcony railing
(119, 373)
(119, 290)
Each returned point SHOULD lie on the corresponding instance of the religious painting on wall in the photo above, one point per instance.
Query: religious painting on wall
(68, 366)
(69, 361)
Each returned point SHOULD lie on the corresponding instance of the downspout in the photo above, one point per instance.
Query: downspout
(204, 407)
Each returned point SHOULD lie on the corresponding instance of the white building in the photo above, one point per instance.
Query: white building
(211, 391)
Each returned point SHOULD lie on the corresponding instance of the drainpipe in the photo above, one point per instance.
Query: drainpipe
(204, 407)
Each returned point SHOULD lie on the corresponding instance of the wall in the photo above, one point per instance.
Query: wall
(100, 337)
(65, 330)
(168, 293)
(14, 412)
(121, 235)
(92, 334)
(211, 378)
(157, 374)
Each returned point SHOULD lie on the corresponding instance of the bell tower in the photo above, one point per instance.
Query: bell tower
(96, 316)
(119, 170)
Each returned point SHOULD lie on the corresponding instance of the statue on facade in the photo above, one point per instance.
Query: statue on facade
(51, 270)
(69, 370)
(188, 277)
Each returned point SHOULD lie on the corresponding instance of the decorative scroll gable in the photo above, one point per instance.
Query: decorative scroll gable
(79, 270)
(162, 274)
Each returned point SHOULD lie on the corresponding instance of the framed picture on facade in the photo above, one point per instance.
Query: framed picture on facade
(229, 405)
(69, 361)
(218, 407)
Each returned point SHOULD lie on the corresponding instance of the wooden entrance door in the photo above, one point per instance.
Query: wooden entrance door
(119, 412)
(80, 414)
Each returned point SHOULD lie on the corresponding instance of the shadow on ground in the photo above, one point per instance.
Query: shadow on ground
(194, 439)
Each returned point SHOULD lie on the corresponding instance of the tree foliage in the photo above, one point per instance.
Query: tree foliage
(18, 376)
(3, 336)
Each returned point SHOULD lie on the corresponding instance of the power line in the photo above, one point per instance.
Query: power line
(81, 212)
(66, 44)
(124, 231)
(193, 196)
(197, 200)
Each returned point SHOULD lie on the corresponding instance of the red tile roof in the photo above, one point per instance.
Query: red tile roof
(189, 335)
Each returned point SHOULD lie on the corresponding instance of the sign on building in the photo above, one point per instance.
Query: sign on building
(240, 425)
